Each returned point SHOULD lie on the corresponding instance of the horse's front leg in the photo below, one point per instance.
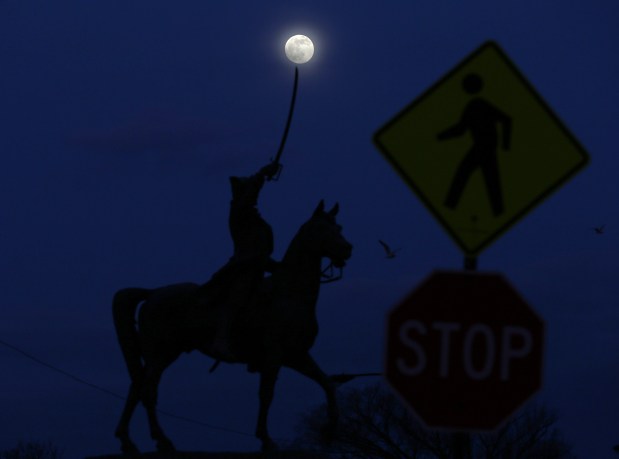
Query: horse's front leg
(122, 431)
(308, 367)
(153, 374)
(268, 378)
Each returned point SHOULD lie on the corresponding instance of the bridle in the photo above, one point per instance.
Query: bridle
(328, 274)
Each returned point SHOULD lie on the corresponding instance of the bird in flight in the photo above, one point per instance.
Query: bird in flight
(599, 229)
(389, 253)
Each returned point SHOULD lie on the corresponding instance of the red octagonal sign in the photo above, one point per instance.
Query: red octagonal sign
(464, 350)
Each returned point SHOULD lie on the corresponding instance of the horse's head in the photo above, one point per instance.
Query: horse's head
(325, 235)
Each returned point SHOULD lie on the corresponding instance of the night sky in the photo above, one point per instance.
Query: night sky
(122, 121)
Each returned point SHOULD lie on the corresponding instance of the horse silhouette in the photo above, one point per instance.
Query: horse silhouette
(278, 329)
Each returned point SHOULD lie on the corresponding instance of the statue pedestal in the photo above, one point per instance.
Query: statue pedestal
(219, 455)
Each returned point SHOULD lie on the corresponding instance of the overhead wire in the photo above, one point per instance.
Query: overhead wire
(337, 378)
(113, 394)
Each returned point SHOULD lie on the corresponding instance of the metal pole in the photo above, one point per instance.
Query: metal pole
(461, 441)
(470, 263)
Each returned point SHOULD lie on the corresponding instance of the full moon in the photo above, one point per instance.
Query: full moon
(299, 49)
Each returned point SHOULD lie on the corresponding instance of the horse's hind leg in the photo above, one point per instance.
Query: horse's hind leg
(122, 430)
(308, 367)
(153, 372)
(268, 378)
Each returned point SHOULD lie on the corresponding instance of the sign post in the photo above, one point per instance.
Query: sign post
(481, 149)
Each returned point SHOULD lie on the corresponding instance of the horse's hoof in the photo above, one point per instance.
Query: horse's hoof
(269, 445)
(128, 448)
(165, 446)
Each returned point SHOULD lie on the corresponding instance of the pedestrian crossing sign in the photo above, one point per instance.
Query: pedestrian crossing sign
(480, 148)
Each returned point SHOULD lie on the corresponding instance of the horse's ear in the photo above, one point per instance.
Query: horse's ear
(320, 208)
(333, 212)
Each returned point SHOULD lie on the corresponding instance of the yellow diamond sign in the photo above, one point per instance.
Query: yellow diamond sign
(480, 148)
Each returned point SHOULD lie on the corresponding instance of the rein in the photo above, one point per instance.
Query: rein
(328, 275)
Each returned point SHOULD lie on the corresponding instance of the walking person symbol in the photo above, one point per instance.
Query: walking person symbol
(480, 119)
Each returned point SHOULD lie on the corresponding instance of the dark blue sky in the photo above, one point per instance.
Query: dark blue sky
(121, 122)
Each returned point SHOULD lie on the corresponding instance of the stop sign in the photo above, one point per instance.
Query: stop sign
(464, 350)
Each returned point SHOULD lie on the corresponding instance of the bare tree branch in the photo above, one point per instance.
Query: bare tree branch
(376, 425)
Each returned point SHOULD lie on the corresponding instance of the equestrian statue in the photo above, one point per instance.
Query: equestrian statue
(253, 311)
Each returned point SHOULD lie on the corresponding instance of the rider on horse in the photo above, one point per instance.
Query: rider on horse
(238, 281)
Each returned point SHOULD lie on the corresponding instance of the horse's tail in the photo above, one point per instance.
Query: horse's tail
(124, 306)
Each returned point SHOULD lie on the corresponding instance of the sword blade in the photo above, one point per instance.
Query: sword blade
(289, 120)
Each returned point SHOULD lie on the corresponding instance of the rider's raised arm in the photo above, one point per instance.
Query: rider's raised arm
(269, 171)
(245, 190)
